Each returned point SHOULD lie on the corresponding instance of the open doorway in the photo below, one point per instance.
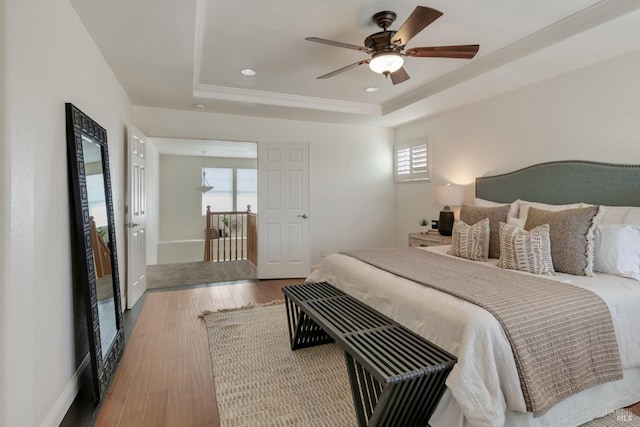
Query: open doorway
(179, 237)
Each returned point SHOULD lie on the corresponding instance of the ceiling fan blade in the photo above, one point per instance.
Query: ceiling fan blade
(416, 22)
(348, 67)
(339, 44)
(399, 76)
(462, 51)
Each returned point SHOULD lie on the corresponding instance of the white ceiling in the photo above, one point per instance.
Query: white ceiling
(205, 147)
(177, 53)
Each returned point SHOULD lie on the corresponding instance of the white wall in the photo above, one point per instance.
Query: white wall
(181, 205)
(589, 114)
(180, 202)
(4, 207)
(49, 60)
(351, 184)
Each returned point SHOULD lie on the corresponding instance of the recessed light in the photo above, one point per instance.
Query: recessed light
(372, 89)
(248, 72)
(200, 106)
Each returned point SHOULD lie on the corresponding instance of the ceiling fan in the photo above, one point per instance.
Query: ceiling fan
(387, 46)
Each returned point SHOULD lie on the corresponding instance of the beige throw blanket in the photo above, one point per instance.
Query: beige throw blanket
(562, 336)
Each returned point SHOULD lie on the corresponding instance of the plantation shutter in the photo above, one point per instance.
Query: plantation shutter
(412, 161)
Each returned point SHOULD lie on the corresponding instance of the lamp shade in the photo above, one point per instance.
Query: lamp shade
(386, 63)
(448, 195)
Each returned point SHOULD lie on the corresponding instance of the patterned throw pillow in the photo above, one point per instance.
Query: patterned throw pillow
(470, 241)
(496, 215)
(571, 232)
(526, 250)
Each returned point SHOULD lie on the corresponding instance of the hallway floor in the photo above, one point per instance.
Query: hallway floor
(165, 276)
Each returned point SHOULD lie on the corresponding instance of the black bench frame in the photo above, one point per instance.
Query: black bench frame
(397, 377)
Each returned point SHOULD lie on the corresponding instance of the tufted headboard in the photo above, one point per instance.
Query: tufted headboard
(563, 182)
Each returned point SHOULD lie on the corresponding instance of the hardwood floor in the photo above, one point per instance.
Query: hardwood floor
(165, 376)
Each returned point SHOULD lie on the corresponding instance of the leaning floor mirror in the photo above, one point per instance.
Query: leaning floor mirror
(95, 259)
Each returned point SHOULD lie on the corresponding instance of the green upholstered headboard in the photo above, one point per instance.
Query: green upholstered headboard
(562, 182)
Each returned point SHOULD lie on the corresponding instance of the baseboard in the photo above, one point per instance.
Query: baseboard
(64, 402)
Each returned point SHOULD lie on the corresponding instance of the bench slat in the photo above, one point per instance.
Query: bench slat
(397, 377)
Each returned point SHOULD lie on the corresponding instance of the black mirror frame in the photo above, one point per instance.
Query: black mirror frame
(79, 124)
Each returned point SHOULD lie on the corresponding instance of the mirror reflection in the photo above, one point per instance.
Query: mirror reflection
(100, 242)
(94, 248)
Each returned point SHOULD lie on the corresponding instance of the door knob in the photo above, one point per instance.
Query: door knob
(132, 225)
(303, 216)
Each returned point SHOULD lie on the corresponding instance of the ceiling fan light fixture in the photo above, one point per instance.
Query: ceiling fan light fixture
(205, 187)
(386, 63)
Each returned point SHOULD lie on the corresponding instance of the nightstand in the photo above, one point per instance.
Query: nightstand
(432, 238)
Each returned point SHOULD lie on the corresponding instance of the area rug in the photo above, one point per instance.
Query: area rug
(198, 273)
(260, 382)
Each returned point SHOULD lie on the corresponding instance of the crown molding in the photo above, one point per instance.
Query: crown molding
(198, 39)
(272, 98)
(579, 22)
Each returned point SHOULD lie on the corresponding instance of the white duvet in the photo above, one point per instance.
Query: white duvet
(484, 383)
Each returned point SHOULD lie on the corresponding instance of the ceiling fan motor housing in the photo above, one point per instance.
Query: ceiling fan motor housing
(380, 42)
(384, 19)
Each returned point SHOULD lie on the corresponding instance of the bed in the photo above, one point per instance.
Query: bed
(484, 388)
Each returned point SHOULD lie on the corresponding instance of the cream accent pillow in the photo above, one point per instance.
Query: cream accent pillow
(571, 232)
(514, 210)
(617, 250)
(526, 250)
(517, 222)
(496, 214)
(470, 241)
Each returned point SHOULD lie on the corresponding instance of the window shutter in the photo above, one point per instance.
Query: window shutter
(412, 161)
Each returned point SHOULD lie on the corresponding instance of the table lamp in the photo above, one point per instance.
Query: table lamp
(447, 195)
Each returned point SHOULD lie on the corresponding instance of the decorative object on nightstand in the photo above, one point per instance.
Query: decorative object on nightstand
(432, 238)
(424, 225)
(447, 195)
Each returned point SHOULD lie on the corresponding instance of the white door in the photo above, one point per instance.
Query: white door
(136, 209)
(283, 210)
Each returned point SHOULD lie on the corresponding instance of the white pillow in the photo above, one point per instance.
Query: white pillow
(524, 207)
(513, 207)
(617, 250)
(487, 203)
(619, 215)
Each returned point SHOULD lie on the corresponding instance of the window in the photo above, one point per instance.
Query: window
(220, 198)
(247, 189)
(233, 189)
(412, 161)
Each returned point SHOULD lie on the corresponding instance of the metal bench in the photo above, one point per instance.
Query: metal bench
(397, 377)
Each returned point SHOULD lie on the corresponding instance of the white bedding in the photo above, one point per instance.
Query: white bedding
(484, 383)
